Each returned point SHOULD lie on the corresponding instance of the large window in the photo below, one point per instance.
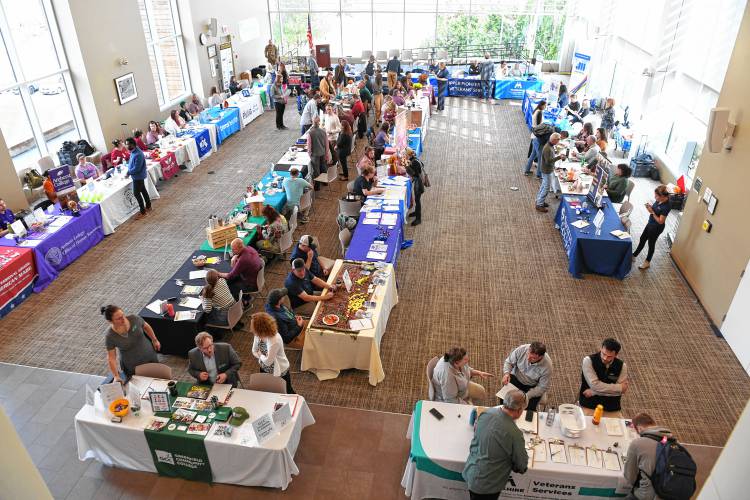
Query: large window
(354, 26)
(38, 108)
(166, 52)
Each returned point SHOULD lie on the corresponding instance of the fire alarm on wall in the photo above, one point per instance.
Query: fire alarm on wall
(707, 225)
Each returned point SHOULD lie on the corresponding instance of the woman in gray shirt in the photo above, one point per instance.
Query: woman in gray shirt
(126, 334)
(451, 379)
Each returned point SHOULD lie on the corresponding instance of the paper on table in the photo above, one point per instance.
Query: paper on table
(360, 324)
(388, 219)
(29, 243)
(61, 220)
(371, 222)
(613, 426)
(529, 427)
(594, 458)
(580, 224)
(504, 390)
(377, 255)
(221, 391)
(185, 315)
(557, 452)
(577, 455)
(191, 302)
(611, 461)
(155, 306)
(540, 452)
(194, 275)
(623, 235)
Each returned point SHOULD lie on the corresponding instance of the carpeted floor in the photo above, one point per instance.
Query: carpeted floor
(486, 271)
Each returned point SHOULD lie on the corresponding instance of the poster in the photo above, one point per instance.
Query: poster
(401, 132)
(581, 69)
(61, 179)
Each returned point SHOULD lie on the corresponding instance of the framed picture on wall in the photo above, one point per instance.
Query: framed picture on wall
(212, 64)
(212, 51)
(126, 90)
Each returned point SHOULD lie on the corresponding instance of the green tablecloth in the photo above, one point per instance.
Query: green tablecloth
(205, 247)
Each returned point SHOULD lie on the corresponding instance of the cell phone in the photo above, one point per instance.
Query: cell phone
(436, 413)
(529, 415)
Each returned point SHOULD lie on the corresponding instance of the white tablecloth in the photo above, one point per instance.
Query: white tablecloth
(118, 203)
(327, 352)
(124, 444)
(184, 149)
(301, 159)
(250, 107)
(446, 443)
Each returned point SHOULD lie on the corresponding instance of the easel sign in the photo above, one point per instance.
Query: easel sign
(601, 177)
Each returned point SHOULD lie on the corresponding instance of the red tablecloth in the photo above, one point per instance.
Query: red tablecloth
(17, 273)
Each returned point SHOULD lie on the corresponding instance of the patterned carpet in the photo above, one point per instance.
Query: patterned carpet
(486, 271)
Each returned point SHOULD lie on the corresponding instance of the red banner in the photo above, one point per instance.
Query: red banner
(169, 166)
(17, 273)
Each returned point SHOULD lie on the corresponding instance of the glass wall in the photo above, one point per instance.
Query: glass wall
(354, 26)
(38, 109)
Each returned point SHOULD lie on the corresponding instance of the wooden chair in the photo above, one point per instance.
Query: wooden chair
(154, 370)
(430, 370)
(265, 382)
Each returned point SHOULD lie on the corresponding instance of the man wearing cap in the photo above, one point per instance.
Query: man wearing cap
(294, 187)
(213, 363)
(301, 284)
(307, 250)
(246, 263)
(291, 327)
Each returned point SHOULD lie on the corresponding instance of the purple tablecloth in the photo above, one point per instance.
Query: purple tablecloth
(59, 249)
(365, 234)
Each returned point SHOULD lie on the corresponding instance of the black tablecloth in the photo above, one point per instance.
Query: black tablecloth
(178, 337)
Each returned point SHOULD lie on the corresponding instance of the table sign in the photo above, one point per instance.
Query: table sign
(18, 228)
(111, 392)
(282, 416)
(40, 215)
(263, 427)
(347, 281)
(598, 221)
(61, 179)
(159, 401)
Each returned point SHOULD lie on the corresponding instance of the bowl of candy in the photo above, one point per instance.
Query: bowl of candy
(119, 407)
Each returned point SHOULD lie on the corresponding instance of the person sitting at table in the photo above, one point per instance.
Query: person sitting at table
(343, 148)
(503, 71)
(474, 67)
(304, 288)
(246, 263)
(516, 71)
(215, 98)
(497, 449)
(184, 113)
(658, 212)
(451, 379)
(398, 96)
(529, 368)
(381, 139)
(307, 250)
(234, 85)
(294, 187)
(194, 106)
(213, 363)
(291, 327)
(172, 123)
(85, 170)
(585, 109)
(6, 218)
(271, 232)
(128, 335)
(617, 184)
(138, 136)
(367, 160)
(119, 153)
(268, 348)
(154, 134)
(217, 299)
(604, 379)
(49, 187)
(364, 184)
(587, 130)
(601, 139)
(573, 108)
(590, 151)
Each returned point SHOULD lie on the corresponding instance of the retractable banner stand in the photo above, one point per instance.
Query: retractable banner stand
(401, 131)
(579, 75)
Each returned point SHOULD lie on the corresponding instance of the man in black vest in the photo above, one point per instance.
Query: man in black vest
(604, 378)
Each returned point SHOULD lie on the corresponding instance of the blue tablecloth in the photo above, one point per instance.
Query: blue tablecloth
(202, 139)
(515, 88)
(588, 253)
(277, 200)
(227, 121)
(551, 115)
(366, 234)
(415, 141)
(58, 250)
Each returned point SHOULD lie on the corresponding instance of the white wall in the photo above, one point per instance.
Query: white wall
(729, 479)
(10, 186)
(19, 478)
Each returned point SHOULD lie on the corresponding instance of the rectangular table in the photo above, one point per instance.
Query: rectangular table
(55, 249)
(365, 234)
(327, 352)
(439, 449)
(227, 121)
(270, 464)
(515, 88)
(178, 337)
(290, 159)
(116, 199)
(17, 273)
(530, 99)
(250, 107)
(588, 253)
(247, 240)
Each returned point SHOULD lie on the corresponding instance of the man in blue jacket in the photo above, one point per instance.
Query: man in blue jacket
(137, 171)
(291, 327)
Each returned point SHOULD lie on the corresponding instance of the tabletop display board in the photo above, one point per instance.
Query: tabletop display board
(601, 175)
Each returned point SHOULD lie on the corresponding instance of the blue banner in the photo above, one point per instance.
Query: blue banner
(203, 141)
(465, 87)
(227, 121)
(515, 88)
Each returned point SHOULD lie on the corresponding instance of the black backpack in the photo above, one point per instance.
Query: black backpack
(674, 471)
(543, 131)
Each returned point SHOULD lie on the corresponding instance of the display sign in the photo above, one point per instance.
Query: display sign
(159, 401)
(61, 179)
(282, 416)
(599, 182)
(263, 427)
(465, 87)
(581, 69)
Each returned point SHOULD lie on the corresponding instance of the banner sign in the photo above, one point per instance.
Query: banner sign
(581, 69)
(169, 166)
(202, 141)
(17, 273)
(61, 179)
(401, 131)
(227, 121)
(515, 88)
(465, 87)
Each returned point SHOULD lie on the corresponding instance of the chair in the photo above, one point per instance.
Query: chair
(626, 209)
(406, 56)
(350, 208)
(154, 370)
(382, 55)
(350, 187)
(430, 369)
(366, 55)
(233, 315)
(393, 52)
(305, 203)
(32, 194)
(45, 163)
(345, 237)
(293, 220)
(442, 55)
(328, 176)
(629, 189)
(265, 382)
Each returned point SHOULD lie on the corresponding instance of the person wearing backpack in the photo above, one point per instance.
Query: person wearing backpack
(657, 467)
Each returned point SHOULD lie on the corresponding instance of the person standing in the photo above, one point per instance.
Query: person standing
(414, 169)
(213, 363)
(658, 212)
(279, 99)
(547, 166)
(339, 74)
(536, 119)
(442, 79)
(344, 149)
(268, 348)
(497, 449)
(393, 68)
(128, 335)
(486, 72)
(604, 378)
(312, 66)
(608, 116)
(563, 99)
(272, 55)
(529, 368)
(381, 139)
(138, 172)
(317, 147)
(377, 92)
(309, 113)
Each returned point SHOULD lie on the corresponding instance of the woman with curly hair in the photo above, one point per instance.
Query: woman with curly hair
(268, 348)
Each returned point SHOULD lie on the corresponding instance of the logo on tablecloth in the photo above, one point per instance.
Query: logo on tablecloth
(129, 199)
(54, 256)
(518, 85)
(164, 457)
(203, 144)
